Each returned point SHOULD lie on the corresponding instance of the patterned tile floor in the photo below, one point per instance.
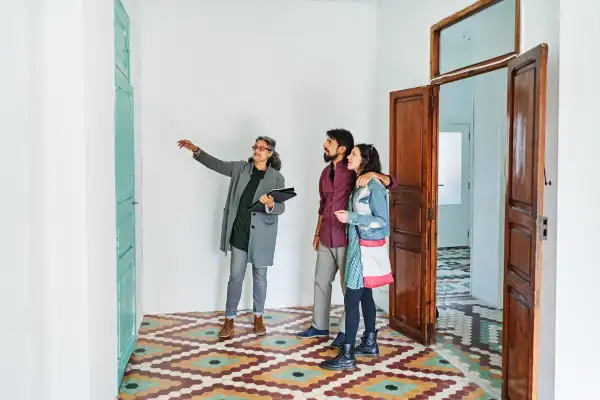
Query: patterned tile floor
(469, 333)
(453, 273)
(178, 356)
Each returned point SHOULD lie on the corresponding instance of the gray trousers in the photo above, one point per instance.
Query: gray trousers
(237, 272)
(329, 261)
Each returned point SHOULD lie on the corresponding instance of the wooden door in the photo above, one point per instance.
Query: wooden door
(125, 195)
(524, 227)
(412, 295)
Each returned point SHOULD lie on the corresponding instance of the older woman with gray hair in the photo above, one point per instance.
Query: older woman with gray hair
(249, 235)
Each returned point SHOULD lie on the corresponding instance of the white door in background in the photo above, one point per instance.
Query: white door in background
(454, 186)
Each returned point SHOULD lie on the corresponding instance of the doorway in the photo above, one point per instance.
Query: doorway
(472, 149)
(413, 239)
(414, 141)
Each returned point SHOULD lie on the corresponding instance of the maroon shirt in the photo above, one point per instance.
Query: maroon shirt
(334, 197)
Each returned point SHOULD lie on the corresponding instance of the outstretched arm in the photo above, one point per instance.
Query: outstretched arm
(210, 162)
(213, 163)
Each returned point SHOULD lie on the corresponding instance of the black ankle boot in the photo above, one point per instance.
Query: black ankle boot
(343, 361)
(368, 346)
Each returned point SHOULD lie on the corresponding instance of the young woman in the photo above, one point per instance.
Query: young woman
(250, 236)
(367, 222)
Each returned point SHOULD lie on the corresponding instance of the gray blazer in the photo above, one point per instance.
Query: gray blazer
(263, 225)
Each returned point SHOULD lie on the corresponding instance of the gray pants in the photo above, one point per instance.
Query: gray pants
(237, 272)
(329, 261)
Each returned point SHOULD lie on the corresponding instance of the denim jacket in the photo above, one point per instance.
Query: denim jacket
(369, 211)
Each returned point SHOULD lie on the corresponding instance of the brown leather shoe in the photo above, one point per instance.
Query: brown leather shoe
(259, 326)
(228, 329)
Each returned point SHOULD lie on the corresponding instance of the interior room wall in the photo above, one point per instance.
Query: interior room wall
(221, 73)
(489, 142)
(403, 62)
(455, 107)
(19, 301)
(62, 258)
(577, 272)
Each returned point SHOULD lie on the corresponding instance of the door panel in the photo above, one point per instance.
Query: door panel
(126, 306)
(412, 305)
(524, 204)
(125, 194)
(121, 38)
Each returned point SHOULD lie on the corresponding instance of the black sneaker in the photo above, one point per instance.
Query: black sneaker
(313, 332)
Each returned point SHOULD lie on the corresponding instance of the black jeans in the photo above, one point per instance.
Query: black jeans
(351, 300)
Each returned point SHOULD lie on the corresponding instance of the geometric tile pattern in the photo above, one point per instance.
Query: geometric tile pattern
(469, 333)
(180, 357)
(472, 332)
(453, 272)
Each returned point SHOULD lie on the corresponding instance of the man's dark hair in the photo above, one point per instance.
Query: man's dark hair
(370, 159)
(343, 137)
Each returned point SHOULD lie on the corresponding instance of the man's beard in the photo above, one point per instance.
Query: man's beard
(328, 157)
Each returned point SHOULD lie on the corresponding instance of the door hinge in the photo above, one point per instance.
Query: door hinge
(469, 185)
(543, 227)
(468, 233)
(430, 213)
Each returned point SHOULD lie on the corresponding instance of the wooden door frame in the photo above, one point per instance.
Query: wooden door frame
(434, 59)
(488, 66)
(438, 79)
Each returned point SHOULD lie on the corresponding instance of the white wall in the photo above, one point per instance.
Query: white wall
(577, 259)
(18, 300)
(99, 179)
(456, 107)
(403, 62)
(220, 73)
(490, 146)
(60, 296)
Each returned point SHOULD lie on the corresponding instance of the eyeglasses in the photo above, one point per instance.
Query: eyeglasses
(260, 148)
